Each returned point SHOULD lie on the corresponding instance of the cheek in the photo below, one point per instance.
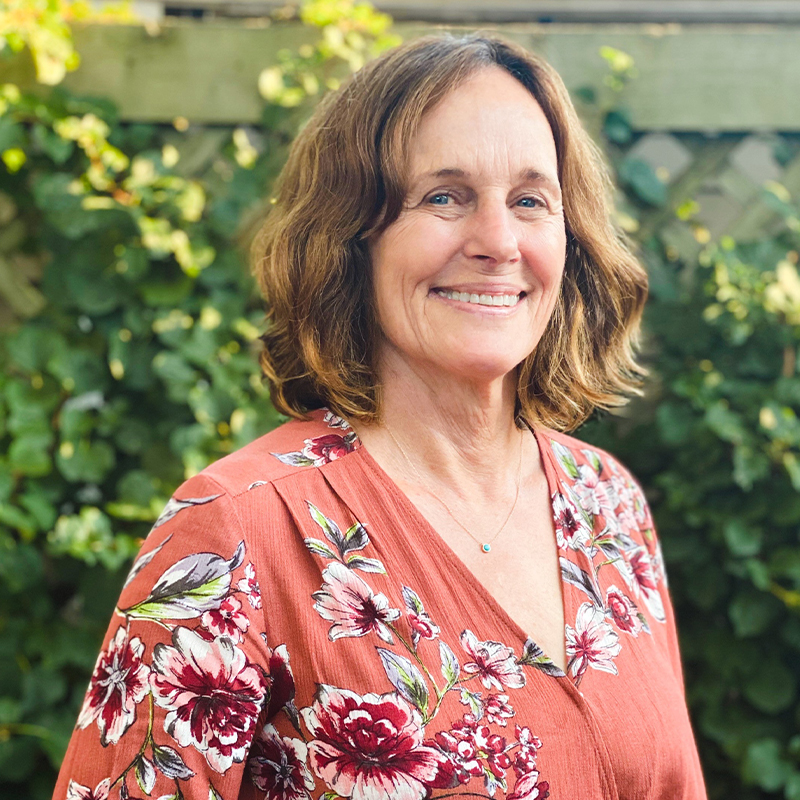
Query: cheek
(546, 253)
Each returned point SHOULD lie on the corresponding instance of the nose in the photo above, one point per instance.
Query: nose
(491, 235)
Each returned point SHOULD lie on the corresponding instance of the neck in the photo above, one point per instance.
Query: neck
(459, 434)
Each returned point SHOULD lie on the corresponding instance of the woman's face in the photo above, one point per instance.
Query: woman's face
(467, 276)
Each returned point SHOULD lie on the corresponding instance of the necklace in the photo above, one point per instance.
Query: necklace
(486, 544)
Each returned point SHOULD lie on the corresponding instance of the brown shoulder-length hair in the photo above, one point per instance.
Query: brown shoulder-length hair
(345, 181)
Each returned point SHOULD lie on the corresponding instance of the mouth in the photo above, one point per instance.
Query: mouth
(506, 300)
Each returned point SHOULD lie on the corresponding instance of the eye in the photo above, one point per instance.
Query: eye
(434, 198)
(530, 202)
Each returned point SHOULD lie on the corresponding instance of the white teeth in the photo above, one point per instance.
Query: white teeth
(481, 299)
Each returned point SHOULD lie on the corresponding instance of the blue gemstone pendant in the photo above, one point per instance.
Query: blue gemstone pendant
(486, 548)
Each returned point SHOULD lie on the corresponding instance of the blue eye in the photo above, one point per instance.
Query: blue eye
(532, 200)
(433, 197)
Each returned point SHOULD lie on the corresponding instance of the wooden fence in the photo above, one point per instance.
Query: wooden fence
(716, 108)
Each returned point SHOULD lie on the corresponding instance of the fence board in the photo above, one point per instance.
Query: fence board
(700, 78)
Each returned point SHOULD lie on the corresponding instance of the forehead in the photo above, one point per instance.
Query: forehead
(488, 124)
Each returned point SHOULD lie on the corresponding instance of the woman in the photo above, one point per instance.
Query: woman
(420, 588)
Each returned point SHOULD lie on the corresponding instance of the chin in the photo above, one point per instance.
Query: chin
(486, 369)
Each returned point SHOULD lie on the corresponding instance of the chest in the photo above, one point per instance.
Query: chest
(433, 631)
(520, 571)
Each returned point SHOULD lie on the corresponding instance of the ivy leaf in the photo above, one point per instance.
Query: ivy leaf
(771, 688)
(365, 564)
(331, 530)
(174, 506)
(474, 702)
(573, 574)
(765, 765)
(143, 561)
(296, 459)
(405, 677)
(319, 548)
(566, 459)
(356, 538)
(753, 612)
(193, 585)
(170, 763)
(743, 539)
(412, 601)
(450, 666)
(534, 656)
(145, 774)
(617, 127)
(639, 176)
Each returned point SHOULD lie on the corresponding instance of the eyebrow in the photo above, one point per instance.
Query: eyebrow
(526, 174)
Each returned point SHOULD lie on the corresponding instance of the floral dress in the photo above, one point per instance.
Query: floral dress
(293, 628)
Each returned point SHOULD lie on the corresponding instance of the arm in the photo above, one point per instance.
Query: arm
(175, 697)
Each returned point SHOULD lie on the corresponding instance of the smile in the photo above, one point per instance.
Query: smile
(481, 299)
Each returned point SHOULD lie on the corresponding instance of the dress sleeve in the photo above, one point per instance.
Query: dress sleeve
(176, 694)
(653, 573)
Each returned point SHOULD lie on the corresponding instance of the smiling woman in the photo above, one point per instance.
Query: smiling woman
(421, 587)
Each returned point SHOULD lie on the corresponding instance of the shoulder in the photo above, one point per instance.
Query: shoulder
(607, 492)
(593, 472)
(214, 509)
(295, 446)
(571, 454)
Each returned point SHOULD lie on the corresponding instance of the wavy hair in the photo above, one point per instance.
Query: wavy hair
(345, 181)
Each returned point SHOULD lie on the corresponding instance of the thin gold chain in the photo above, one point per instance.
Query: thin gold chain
(485, 545)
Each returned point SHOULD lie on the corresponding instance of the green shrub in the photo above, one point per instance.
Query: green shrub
(130, 328)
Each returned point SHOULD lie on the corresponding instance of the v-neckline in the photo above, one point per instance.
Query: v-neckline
(402, 499)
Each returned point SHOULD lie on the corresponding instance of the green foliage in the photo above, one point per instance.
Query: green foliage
(129, 339)
(129, 333)
(351, 33)
(716, 444)
(43, 27)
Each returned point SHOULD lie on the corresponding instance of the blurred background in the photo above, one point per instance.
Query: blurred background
(138, 145)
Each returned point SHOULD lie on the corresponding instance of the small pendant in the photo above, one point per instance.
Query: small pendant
(486, 548)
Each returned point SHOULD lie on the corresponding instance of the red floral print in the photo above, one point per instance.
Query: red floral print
(623, 611)
(595, 495)
(423, 625)
(528, 787)
(119, 682)
(592, 643)
(571, 528)
(213, 695)
(77, 792)
(347, 601)
(322, 449)
(525, 757)
(227, 620)
(643, 570)
(282, 687)
(277, 766)
(459, 745)
(493, 662)
(249, 585)
(497, 709)
(370, 747)
(646, 582)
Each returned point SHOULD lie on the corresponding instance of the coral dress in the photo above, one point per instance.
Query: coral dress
(294, 628)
